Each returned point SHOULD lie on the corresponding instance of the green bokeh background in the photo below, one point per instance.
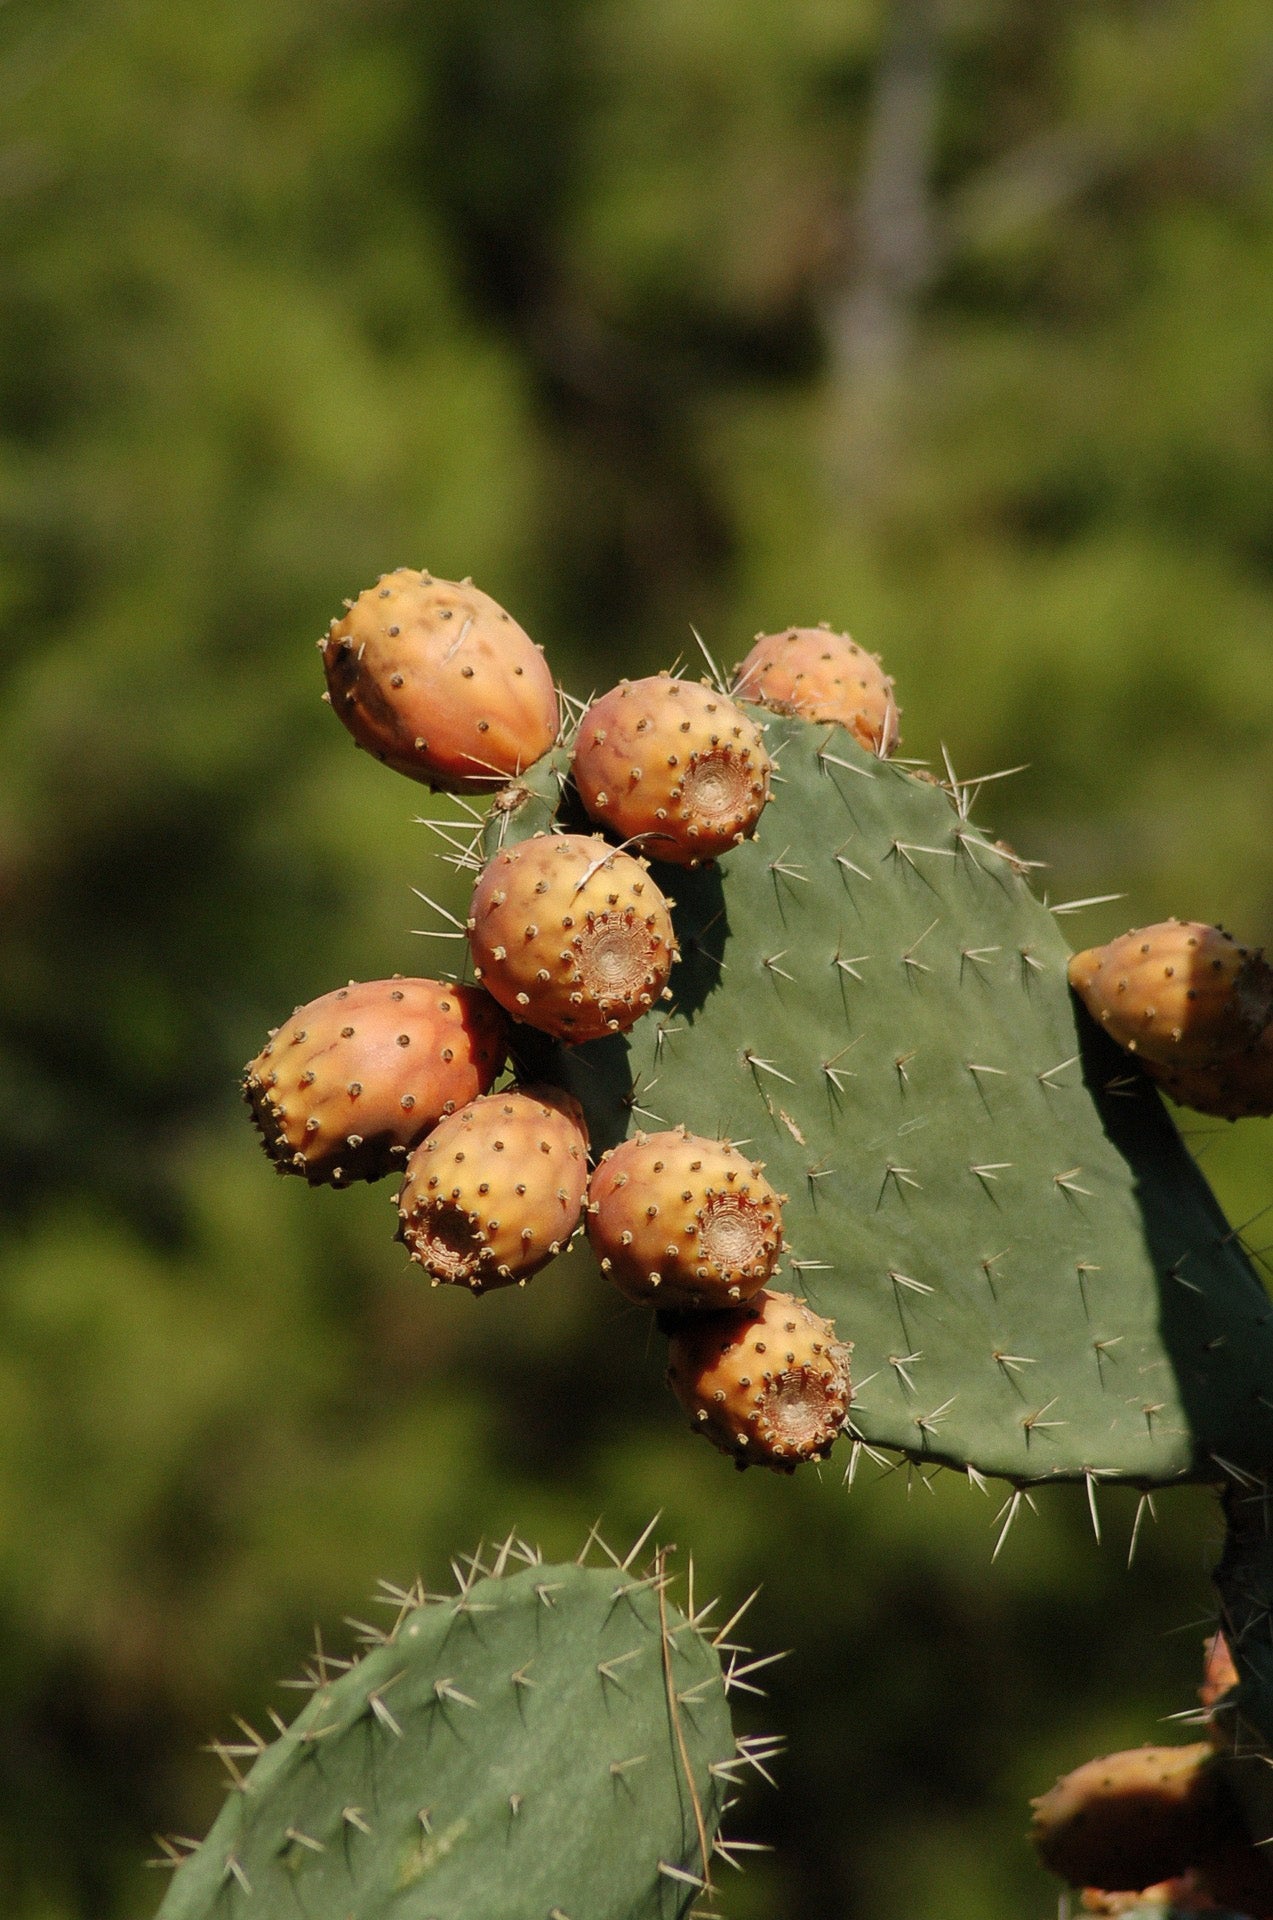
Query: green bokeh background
(947, 320)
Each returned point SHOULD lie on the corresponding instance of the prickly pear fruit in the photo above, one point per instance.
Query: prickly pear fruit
(496, 1189)
(1238, 1886)
(571, 935)
(767, 1382)
(347, 1086)
(439, 682)
(673, 765)
(1239, 1087)
(1132, 1819)
(1181, 993)
(823, 676)
(682, 1221)
(1163, 1900)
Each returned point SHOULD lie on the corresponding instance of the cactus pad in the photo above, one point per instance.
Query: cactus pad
(549, 1741)
(987, 1197)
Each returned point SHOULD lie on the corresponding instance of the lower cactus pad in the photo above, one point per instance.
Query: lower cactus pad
(550, 1741)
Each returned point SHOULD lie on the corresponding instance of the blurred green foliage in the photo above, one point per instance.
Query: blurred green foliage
(592, 300)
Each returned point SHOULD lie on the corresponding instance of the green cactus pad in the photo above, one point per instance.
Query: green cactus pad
(987, 1197)
(550, 1741)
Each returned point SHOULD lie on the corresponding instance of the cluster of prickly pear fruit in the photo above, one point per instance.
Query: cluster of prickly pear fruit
(571, 934)
(547, 1740)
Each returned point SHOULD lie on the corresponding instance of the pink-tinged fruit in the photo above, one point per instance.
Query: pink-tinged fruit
(496, 1189)
(672, 765)
(436, 680)
(571, 935)
(678, 1221)
(822, 676)
(1180, 994)
(1133, 1819)
(344, 1089)
(767, 1382)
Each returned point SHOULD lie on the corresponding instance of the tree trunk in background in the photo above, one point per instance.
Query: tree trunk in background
(890, 251)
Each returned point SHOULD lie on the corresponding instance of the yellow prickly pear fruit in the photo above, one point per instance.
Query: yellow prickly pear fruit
(1180, 994)
(683, 1222)
(823, 676)
(346, 1087)
(496, 1189)
(672, 765)
(1133, 1819)
(767, 1382)
(571, 935)
(436, 680)
(1239, 1087)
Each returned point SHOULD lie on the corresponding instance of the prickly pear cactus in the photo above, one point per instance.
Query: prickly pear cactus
(985, 1194)
(549, 1740)
(986, 1201)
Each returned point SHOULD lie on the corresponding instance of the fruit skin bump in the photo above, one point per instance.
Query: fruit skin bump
(435, 679)
(767, 1382)
(571, 935)
(496, 1189)
(1180, 994)
(1133, 1819)
(673, 765)
(822, 675)
(683, 1222)
(346, 1087)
